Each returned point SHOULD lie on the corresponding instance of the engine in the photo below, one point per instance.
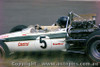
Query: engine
(83, 24)
(81, 29)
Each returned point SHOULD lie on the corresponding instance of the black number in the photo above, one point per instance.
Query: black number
(42, 41)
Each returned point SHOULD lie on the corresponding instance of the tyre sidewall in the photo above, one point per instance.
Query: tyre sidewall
(18, 28)
(90, 51)
(4, 48)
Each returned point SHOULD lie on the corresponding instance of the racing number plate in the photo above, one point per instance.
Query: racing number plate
(43, 43)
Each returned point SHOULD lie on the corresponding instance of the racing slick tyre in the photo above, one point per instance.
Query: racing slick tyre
(4, 52)
(93, 51)
(18, 28)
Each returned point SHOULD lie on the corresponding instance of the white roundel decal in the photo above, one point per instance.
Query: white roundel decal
(43, 42)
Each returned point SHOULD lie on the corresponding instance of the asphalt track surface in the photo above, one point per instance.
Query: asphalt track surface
(42, 12)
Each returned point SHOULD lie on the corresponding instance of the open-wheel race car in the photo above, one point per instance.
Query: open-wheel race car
(72, 33)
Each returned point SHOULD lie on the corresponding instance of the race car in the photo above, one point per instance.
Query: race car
(32, 38)
(71, 33)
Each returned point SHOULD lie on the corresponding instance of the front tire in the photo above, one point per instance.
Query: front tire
(4, 51)
(18, 28)
(94, 51)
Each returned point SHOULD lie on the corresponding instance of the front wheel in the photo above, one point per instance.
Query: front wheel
(18, 28)
(94, 51)
(4, 51)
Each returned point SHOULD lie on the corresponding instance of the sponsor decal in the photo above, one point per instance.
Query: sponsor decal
(23, 34)
(58, 43)
(23, 44)
(4, 36)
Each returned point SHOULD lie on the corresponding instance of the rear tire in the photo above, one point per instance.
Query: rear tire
(93, 51)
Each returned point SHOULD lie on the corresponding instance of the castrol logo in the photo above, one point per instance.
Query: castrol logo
(23, 44)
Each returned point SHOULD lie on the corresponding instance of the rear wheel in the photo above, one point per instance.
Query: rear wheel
(94, 51)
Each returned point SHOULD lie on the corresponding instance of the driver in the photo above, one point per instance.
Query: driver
(62, 21)
(37, 27)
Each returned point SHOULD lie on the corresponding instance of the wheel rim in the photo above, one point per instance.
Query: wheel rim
(96, 50)
(2, 53)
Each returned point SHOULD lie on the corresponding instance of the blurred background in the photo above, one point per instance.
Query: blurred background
(42, 12)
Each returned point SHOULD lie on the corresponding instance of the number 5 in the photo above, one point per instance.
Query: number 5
(43, 41)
